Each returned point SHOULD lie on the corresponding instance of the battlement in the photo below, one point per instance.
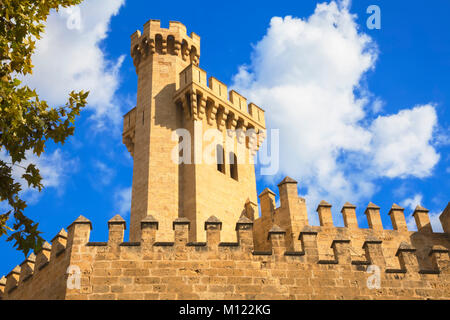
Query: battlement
(201, 99)
(208, 99)
(292, 216)
(422, 255)
(372, 211)
(162, 41)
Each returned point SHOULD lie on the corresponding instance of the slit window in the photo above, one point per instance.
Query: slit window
(159, 43)
(233, 166)
(171, 45)
(220, 158)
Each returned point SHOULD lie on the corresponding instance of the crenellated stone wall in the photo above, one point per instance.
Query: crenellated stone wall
(318, 262)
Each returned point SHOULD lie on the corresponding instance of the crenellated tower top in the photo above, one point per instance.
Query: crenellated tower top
(162, 41)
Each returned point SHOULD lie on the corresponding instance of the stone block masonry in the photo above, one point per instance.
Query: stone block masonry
(412, 265)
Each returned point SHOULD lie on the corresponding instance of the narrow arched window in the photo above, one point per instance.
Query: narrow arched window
(170, 45)
(220, 159)
(158, 43)
(233, 166)
(184, 49)
(193, 54)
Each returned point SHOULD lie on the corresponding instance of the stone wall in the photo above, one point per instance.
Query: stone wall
(332, 263)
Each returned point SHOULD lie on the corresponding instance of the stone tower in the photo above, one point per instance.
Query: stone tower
(176, 105)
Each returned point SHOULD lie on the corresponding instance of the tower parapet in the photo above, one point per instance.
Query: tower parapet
(171, 41)
(200, 99)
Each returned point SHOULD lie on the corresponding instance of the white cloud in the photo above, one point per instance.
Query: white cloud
(413, 202)
(103, 174)
(69, 57)
(54, 169)
(308, 74)
(377, 105)
(442, 136)
(401, 143)
(122, 200)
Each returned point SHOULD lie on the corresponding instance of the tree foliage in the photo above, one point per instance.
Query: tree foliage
(26, 122)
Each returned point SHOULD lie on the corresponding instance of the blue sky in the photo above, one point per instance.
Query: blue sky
(363, 114)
